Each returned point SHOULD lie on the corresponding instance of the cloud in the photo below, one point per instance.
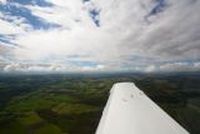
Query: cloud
(16, 67)
(129, 35)
(3, 1)
(151, 68)
(18, 14)
(41, 3)
(92, 68)
(47, 68)
(180, 67)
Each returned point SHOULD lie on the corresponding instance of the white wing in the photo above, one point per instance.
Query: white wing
(130, 111)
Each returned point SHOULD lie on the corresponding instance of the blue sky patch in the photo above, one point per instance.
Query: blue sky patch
(95, 16)
(85, 1)
(93, 11)
(41, 3)
(7, 39)
(159, 7)
(36, 22)
(84, 63)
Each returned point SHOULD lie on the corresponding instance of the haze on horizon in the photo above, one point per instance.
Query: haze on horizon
(99, 35)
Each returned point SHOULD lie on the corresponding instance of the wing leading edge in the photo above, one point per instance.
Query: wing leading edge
(130, 111)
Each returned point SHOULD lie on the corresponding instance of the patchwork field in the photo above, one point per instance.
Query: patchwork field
(72, 104)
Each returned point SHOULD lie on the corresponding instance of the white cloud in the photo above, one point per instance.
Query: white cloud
(92, 68)
(176, 67)
(151, 68)
(197, 65)
(3, 1)
(126, 40)
(8, 28)
(16, 67)
(19, 67)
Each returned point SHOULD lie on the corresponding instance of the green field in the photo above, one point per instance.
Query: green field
(72, 104)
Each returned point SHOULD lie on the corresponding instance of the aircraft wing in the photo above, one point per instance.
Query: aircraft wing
(130, 111)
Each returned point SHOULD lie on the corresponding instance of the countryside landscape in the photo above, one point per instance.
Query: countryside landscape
(73, 103)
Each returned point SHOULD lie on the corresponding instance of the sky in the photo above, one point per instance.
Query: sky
(99, 35)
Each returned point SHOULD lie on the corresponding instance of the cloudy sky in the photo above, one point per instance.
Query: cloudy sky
(99, 35)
